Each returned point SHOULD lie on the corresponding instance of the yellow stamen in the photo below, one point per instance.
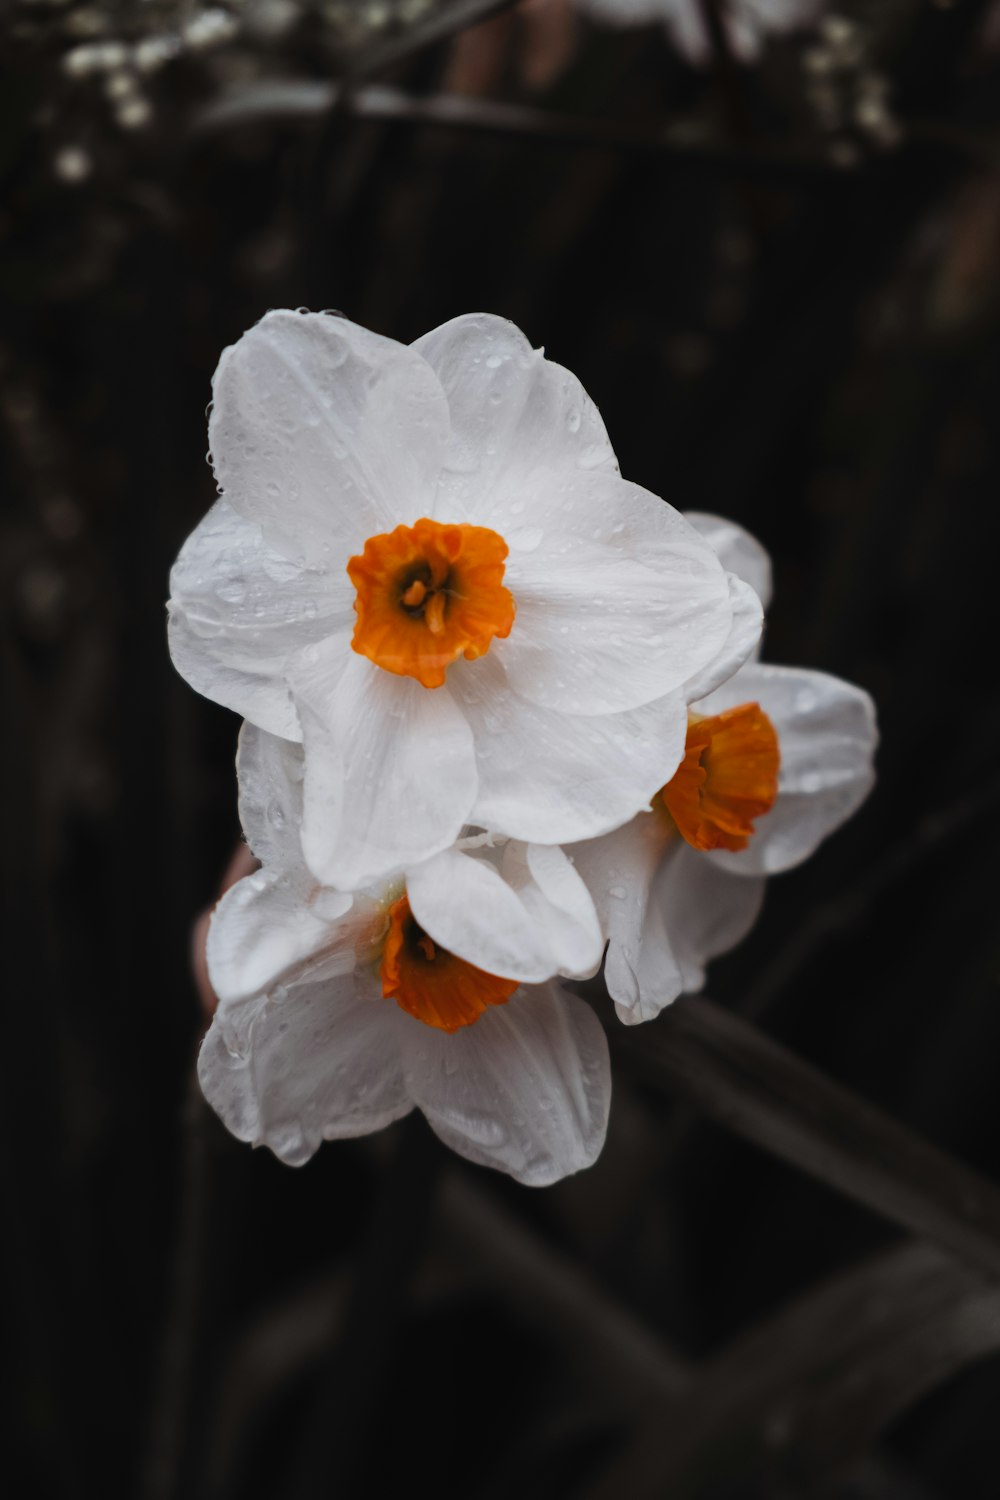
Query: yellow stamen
(415, 594)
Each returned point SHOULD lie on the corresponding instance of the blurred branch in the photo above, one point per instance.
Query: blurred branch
(475, 1243)
(291, 1335)
(686, 141)
(589, 1326)
(437, 26)
(839, 916)
(172, 1391)
(807, 1392)
(739, 124)
(344, 1416)
(753, 1086)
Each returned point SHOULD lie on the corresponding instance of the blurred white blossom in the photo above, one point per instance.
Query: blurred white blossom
(747, 23)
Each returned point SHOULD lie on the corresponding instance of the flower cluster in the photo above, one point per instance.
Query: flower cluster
(502, 709)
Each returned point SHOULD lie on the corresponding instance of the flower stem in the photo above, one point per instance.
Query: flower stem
(730, 1071)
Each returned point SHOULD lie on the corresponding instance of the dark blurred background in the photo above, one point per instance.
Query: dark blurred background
(781, 284)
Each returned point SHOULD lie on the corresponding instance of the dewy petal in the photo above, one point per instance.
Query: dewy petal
(528, 920)
(325, 433)
(526, 1089)
(555, 778)
(270, 927)
(619, 600)
(740, 644)
(239, 610)
(737, 550)
(827, 738)
(259, 694)
(513, 413)
(390, 771)
(619, 871)
(696, 912)
(269, 777)
(666, 910)
(321, 1064)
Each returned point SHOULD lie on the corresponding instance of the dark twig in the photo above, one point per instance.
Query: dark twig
(439, 25)
(685, 142)
(166, 1445)
(727, 1069)
(726, 70)
(591, 1328)
(808, 1392)
(340, 1428)
(834, 918)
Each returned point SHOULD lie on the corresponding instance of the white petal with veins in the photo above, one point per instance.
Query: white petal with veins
(526, 1089)
(620, 603)
(390, 772)
(322, 1063)
(325, 433)
(827, 738)
(527, 919)
(557, 778)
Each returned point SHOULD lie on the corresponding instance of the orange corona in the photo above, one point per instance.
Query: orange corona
(427, 594)
(728, 777)
(431, 983)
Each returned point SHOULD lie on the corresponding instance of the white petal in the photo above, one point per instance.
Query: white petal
(239, 610)
(827, 738)
(390, 770)
(740, 644)
(686, 28)
(666, 911)
(737, 550)
(525, 1089)
(513, 413)
(321, 1064)
(269, 774)
(554, 778)
(269, 927)
(701, 912)
(620, 871)
(528, 920)
(325, 433)
(224, 1072)
(619, 601)
(260, 695)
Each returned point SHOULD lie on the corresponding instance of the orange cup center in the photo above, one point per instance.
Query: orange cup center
(427, 594)
(431, 983)
(728, 777)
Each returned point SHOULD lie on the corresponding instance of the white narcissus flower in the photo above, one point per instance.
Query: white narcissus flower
(340, 1012)
(746, 22)
(427, 568)
(776, 759)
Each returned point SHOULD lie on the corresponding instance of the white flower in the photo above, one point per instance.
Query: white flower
(426, 567)
(341, 1012)
(777, 758)
(747, 22)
